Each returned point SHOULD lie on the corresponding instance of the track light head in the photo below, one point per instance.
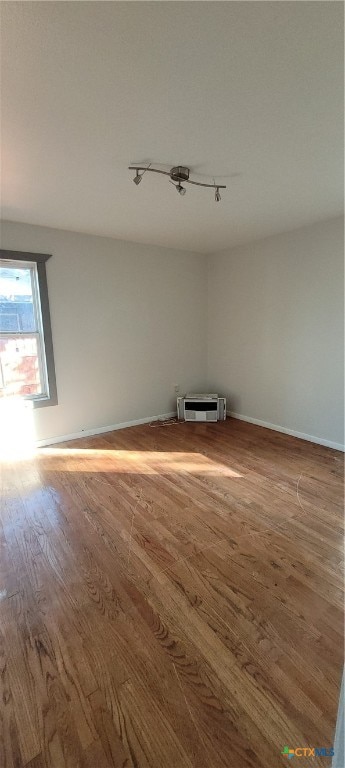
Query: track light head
(181, 190)
(137, 178)
(217, 196)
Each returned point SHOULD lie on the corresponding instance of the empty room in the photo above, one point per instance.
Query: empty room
(172, 384)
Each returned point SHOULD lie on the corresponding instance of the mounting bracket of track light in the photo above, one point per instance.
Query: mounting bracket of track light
(178, 175)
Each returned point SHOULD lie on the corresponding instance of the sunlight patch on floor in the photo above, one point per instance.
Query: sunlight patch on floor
(138, 462)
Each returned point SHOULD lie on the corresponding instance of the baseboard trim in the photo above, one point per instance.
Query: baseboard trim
(148, 419)
(101, 430)
(285, 431)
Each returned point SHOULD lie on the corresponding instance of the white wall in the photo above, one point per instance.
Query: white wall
(276, 322)
(121, 314)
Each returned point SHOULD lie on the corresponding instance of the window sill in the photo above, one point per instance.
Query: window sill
(42, 402)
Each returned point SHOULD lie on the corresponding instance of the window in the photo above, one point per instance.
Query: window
(26, 351)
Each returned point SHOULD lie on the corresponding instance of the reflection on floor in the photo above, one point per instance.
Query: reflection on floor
(171, 598)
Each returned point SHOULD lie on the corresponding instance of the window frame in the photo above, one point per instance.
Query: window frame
(41, 307)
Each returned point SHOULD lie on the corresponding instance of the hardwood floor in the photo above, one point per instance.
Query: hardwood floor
(171, 598)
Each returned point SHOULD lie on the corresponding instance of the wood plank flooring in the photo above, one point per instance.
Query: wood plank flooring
(171, 597)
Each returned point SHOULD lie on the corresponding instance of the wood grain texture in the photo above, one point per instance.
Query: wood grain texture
(170, 598)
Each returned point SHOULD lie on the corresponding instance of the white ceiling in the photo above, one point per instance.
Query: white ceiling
(248, 92)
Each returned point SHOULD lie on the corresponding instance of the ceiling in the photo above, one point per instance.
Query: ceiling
(248, 92)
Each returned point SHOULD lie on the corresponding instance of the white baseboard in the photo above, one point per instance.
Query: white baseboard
(148, 419)
(101, 430)
(285, 431)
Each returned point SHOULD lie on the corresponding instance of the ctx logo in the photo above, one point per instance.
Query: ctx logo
(308, 752)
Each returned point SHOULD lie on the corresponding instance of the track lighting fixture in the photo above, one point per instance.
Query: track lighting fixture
(179, 173)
